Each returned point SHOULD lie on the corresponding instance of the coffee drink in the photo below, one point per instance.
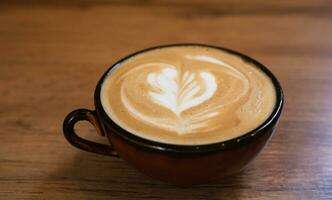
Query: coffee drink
(171, 111)
(188, 95)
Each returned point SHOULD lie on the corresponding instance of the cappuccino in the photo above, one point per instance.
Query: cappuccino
(187, 95)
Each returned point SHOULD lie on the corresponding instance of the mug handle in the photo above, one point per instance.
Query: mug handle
(70, 134)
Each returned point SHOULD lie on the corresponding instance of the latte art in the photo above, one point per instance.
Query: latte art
(177, 93)
(180, 93)
(187, 95)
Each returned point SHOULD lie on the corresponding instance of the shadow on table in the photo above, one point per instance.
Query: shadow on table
(90, 176)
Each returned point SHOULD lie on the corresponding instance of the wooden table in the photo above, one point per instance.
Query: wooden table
(52, 54)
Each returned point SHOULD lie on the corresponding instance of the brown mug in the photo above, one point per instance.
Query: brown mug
(181, 164)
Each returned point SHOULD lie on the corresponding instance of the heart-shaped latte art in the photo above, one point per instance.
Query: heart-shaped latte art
(178, 91)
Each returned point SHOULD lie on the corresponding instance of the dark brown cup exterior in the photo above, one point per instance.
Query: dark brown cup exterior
(179, 164)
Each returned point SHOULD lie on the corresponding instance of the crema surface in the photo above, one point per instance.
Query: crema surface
(187, 95)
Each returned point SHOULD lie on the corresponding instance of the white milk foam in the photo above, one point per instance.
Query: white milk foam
(176, 94)
(167, 99)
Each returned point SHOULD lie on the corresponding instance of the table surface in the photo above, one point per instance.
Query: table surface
(52, 55)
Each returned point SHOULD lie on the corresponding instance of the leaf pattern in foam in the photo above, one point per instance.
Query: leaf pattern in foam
(180, 93)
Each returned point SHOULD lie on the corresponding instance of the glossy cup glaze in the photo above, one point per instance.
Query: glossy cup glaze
(181, 164)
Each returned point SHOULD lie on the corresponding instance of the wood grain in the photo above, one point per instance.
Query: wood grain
(52, 55)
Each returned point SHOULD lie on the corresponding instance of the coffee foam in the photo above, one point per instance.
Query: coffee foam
(187, 95)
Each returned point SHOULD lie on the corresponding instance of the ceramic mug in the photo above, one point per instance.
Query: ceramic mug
(181, 164)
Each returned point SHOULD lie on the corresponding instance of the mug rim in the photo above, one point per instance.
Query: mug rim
(185, 148)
